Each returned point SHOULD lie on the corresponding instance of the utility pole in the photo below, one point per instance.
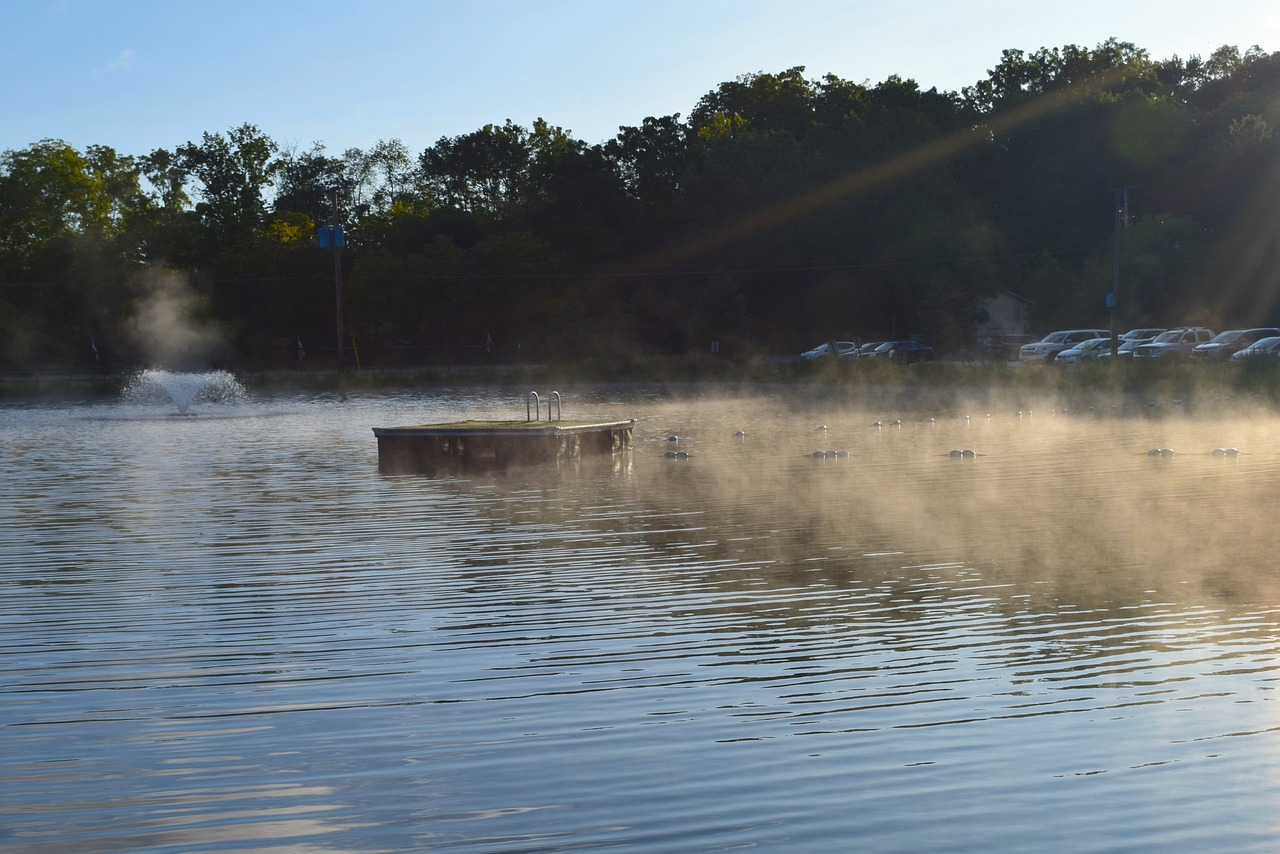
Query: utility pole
(1121, 216)
(338, 240)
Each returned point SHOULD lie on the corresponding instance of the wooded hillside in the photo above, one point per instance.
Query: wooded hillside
(782, 211)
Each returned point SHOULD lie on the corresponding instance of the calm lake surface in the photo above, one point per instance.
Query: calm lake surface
(229, 631)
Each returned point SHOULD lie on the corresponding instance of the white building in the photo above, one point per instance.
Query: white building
(1006, 314)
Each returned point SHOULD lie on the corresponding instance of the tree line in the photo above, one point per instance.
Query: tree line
(783, 210)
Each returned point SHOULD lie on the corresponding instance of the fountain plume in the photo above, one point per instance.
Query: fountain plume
(169, 325)
(183, 389)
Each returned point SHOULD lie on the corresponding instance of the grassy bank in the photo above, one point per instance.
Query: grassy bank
(1124, 387)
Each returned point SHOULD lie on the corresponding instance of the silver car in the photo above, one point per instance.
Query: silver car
(1224, 344)
(1173, 344)
(1048, 348)
(1268, 348)
(843, 348)
(1085, 351)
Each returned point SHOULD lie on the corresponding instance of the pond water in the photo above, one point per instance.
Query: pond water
(230, 631)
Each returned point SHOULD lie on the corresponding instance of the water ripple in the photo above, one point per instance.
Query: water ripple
(234, 633)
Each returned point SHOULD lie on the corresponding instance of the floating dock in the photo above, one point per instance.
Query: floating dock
(499, 444)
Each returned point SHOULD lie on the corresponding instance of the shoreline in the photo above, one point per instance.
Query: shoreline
(1100, 389)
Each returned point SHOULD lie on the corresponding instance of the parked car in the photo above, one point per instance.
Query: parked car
(1141, 334)
(1174, 343)
(1048, 348)
(1124, 350)
(869, 348)
(1267, 348)
(1224, 344)
(843, 348)
(903, 352)
(1085, 351)
(1006, 346)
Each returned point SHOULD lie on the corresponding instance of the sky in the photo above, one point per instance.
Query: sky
(137, 75)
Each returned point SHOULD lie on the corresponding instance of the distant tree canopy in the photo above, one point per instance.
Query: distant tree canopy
(783, 211)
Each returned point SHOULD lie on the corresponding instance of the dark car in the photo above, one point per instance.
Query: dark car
(843, 348)
(1006, 347)
(903, 352)
(1225, 344)
(1267, 348)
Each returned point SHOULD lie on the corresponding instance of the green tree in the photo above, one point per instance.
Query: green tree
(66, 245)
(50, 190)
(1071, 71)
(305, 182)
(234, 173)
(380, 178)
(766, 102)
(484, 172)
(651, 159)
(719, 314)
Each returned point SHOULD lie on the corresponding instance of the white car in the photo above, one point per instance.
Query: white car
(1173, 344)
(1085, 351)
(1048, 348)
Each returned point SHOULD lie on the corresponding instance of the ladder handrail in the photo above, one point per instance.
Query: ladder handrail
(533, 406)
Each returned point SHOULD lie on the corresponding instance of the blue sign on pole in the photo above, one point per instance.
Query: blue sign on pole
(330, 237)
(1111, 299)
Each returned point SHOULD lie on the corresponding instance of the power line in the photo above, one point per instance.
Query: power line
(636, 271)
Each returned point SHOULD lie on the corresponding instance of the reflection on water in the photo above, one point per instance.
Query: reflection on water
(229, 631)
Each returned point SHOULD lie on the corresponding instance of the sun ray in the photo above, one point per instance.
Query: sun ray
(890, 171)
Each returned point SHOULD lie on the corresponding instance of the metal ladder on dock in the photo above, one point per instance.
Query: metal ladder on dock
(533, 406)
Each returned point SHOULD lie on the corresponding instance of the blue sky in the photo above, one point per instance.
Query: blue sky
(143, 74)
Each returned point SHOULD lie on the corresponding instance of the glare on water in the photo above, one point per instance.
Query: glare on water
(231, 631)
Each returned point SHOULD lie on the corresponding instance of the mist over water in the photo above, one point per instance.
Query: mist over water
(234, 631)
(167, 323)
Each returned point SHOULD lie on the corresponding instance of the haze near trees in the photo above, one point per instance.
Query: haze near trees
(782, 211)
